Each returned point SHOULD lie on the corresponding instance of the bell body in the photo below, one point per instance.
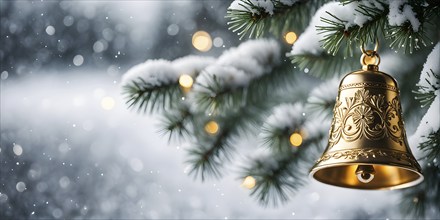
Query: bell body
(367, 147)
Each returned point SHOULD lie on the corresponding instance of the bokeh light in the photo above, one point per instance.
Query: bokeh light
(290, 37)
(211, 127)
(249, 182)
(186, 81)
(202, 41)
(296, 139)
(18, 150)
(78, 60)
(108, 103)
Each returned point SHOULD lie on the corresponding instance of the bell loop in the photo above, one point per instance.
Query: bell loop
(370, 59)
(376, 47)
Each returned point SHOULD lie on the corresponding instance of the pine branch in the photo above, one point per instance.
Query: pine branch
(276, 138)
(145, 97)
(279, 175)
(324, 65)
(207, 157)
(264, 89)
(337, 35)
(323, 98)
(405, 37)
(256, 22)
(215, 97)
(432, 146)
(177, 123)
(212, 150)
(426, 94)
(285, 120)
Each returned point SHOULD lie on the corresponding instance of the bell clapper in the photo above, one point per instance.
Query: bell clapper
(365, 173)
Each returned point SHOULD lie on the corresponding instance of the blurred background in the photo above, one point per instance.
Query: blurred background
(70, 148)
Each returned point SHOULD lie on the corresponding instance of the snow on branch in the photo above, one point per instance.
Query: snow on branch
(429, 84)
(236, 67)
(429, 124)
(322, 98)
(401, 12)
(153, 84)
(284, 120)
(266, 6)
(153, 72)
(286, 116)
(161, 72)
(309, 41)
(430, 76)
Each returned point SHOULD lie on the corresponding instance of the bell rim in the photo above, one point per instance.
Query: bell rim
(400, 186)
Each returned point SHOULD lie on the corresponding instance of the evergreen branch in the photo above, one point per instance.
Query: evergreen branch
(274, 183)
(426, 94)
(321, 100)
(206, 158)
(255, 22)
(278, 176)
(146, 97)
(404, 36)
(264, 88)
(216, 97)
(337, 35)
(321, 106)
(277, 139)
(432, 146)
(324, 65)
(176, 123)
(209, 155)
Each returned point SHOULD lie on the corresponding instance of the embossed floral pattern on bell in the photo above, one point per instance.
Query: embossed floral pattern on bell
(366, 116)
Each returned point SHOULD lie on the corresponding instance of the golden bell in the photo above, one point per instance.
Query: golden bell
(367, 147)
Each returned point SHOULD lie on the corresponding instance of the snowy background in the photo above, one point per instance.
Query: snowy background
(71, 149)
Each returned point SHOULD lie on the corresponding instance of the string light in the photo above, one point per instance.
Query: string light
(202, 41)
(186, 81)
(249, 182)
(211, 127)
(290, 37)
(296, 139)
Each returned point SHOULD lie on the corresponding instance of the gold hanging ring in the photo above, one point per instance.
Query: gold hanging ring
(368, 52)
(370, 59)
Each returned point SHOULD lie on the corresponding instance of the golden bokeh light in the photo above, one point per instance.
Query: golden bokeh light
(290, 37)
(211, 127)
(249, 182)
(186, 81)
(296, 139)
(108, 103)
(202, 41)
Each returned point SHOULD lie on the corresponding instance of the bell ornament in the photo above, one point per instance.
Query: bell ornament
(368, 147)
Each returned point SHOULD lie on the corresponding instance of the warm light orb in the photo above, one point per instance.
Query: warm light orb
(249, 182)
(290, 37)
(108, 103)
(296, 139)
(186, 81)
(211, 127)
(202, 41)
